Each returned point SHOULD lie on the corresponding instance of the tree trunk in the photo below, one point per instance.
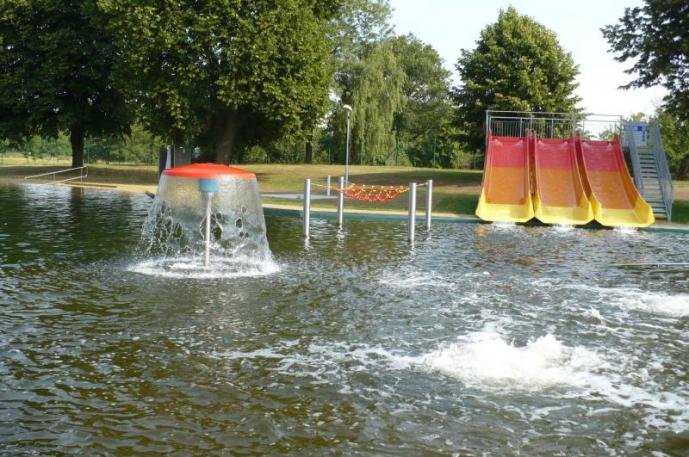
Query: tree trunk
(76, 140)
(227, 135)
(308, 151)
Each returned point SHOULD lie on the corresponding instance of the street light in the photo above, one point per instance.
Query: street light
(349, 110)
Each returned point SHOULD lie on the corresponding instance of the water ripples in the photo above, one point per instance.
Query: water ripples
(531, 340)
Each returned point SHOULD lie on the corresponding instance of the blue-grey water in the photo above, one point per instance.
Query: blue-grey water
(478, 340)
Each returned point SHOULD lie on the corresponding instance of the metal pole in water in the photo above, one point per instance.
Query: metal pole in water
(207, 256)
(340, 203)
(348, 109)
(327, 189)
(429, 202)
(412, 210)
(208, 187)
(307, 207)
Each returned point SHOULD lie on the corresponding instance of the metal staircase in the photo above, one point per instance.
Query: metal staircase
(649, 166)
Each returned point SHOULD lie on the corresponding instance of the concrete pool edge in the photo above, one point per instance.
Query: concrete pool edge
(295, 211)
(285, 210)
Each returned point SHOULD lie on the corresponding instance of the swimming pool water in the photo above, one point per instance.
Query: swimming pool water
(505, 340)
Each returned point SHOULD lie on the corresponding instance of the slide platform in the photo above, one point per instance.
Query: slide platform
(560, 197)
(615, 200)
(506, 193)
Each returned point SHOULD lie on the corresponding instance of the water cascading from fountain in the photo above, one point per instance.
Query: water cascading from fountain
(206, 221)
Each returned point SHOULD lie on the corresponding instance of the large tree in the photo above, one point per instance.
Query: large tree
(225, 73)
(655, 38)
(56, 61)
(372, 85)
(421, 125)
(518, 65)
(361, 26)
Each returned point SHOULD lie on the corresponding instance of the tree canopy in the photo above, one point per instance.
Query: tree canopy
(655, 37)
(225, 73)
(56, 65)
(518, 65)
(427, 110)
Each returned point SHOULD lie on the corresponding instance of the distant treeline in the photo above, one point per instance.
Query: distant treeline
(266, 81)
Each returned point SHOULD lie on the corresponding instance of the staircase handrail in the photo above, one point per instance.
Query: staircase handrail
(634, 156)
(666, 187)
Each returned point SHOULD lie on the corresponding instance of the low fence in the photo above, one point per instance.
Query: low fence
(52, 175)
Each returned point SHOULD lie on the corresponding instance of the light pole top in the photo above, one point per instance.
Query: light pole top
(347, 108)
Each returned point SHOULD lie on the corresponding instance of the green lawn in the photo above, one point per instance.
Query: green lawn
(680, 212)
(455, 191)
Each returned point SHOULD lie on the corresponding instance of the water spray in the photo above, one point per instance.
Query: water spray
(208, 187)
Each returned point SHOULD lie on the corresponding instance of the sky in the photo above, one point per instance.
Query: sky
(452, 25)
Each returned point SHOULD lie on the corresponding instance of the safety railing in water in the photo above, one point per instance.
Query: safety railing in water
(51, 175)
(341, 190)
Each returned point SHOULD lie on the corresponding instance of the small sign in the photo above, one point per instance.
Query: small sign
(639, 133)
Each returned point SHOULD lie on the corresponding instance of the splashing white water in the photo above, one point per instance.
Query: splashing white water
(674, 305)
(626, 231)
(563, 228)
(486, 359)
(652, 302)
(504, 226)
(191, 267)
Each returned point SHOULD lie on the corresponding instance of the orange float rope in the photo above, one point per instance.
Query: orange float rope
(372, 193)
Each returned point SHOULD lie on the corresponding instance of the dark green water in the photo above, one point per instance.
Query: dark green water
(481, 340)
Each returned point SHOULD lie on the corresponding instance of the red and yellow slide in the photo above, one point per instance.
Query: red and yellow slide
(506, 193)
(560, 181)
(559, 196)
(615, 200)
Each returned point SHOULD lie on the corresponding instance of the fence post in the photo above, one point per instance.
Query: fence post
(340, 202)
(429, 203)
(412, 211)
(327, 189)
(307, 207)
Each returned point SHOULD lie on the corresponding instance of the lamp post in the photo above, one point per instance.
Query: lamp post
(348, 109)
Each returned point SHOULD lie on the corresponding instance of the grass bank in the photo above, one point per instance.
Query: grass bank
(455, 191)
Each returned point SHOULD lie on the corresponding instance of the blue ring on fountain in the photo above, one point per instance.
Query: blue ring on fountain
(209, 185)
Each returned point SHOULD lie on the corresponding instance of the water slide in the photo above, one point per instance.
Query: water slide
(614, 198)
(506, 193)
(560, 197)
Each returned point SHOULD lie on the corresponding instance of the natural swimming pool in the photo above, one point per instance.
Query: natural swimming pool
(479, 338)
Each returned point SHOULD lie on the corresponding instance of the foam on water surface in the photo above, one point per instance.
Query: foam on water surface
(486, 359)
(189, 267)
(655, 302)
